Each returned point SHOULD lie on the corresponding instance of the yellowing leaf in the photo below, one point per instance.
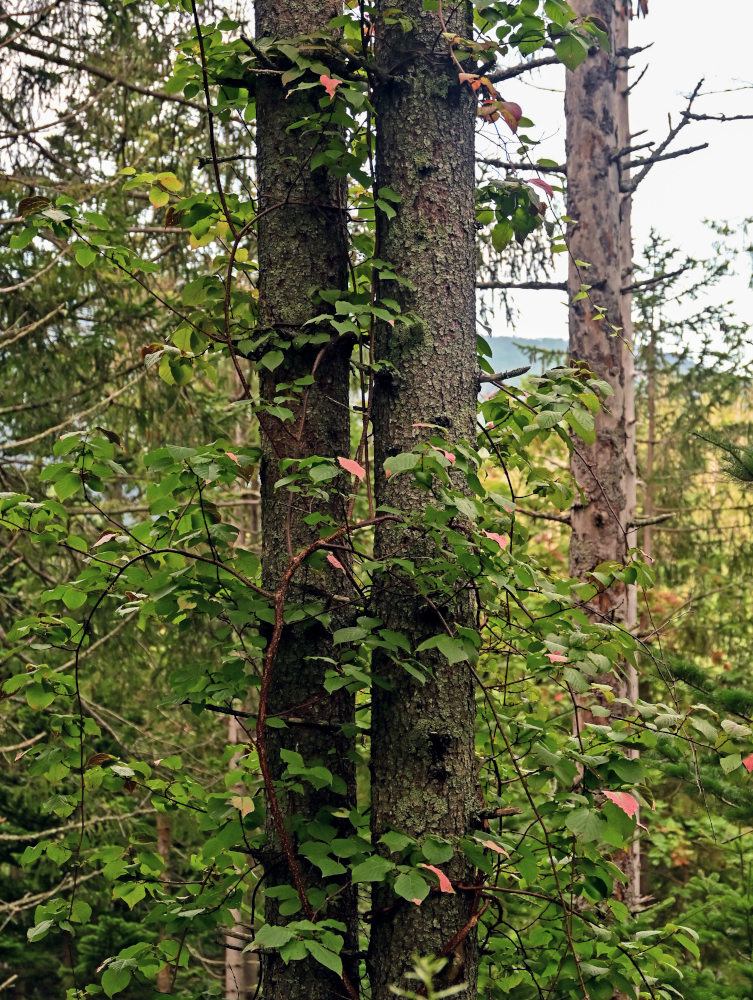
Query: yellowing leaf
(158, 197)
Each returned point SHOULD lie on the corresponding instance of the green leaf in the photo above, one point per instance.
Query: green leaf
(270, 936)
(115, 978)
(401, 463)
(324, 956)
(436, 850)
(39, 930)
(411, 886)
(272, 360)
(501, 235)
(731, 762)
(85, 254)
(373, 869)
(38, 697)
(582, 422)
(586, 824)
(67, 485)
(73, 598)
(395, 842)
(352, 634)
(571, 51)
(80, 912)
(453, 649)
(158, 197)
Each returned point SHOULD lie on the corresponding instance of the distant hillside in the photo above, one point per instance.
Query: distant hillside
(541, 353)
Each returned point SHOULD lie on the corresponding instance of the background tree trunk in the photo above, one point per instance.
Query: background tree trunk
(164, 843)
(423, 778)
(597, 126)
(302, 244)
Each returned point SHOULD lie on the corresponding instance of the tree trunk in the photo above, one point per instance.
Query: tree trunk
(164, 842)
(423, 779)
(597, 126)
(630, 621)
(302, 245)
(241, 967)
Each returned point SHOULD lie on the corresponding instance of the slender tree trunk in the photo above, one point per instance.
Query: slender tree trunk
(630, 621)
(597, 126)
(164, 842)
(622, 38)
(423, 779)
(241, 967)
(302, 245)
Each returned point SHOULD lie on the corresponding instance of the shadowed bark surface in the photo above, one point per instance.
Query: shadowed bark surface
(302, 244)
(423, 778)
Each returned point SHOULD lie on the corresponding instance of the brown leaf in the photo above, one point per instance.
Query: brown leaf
(98, 759)
(34, 203)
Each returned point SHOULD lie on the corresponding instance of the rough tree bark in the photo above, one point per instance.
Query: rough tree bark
(423, 779)
(597, 126)
(302, 244)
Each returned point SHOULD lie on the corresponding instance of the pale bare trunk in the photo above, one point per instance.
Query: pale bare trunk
(602, 517)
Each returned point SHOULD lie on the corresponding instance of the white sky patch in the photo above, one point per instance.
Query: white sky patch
(689, 40)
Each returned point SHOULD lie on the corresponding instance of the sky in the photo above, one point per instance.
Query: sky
(690, 40)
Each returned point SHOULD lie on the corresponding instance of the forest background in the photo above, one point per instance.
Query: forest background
(127, 889)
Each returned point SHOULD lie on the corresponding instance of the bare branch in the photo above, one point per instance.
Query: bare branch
(20, 838)
(646, 164)
(538, 286)
(53, 57)
(507, 165)
(656, 280)
(650, 160)
(715, 118)
(502, 376)
(74, 417)
(524, 67)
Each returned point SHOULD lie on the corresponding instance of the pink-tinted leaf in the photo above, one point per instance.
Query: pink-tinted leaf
(231, 455)
(748, 763)
(107, 536)
(444, 883)
(544, 187)
(334, 561)
(501, 540)
(624, 801)
(467, 77)
(416, 900)
(447, 454)
(488, 110)
(556, 657)
(353, 468)
(511, 112)
(330, 84)
(494, 847)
